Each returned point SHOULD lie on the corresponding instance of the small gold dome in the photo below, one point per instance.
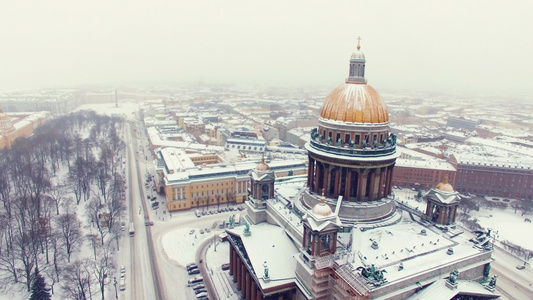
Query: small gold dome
(445, 186)
(262, 166)
(356, 103)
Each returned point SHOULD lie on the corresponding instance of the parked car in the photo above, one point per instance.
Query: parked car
(191, 231)
(194, 271)
(207, 230)
(198, 291)
(201, 231)
(191, 266)
(198, 287)
(225, 267)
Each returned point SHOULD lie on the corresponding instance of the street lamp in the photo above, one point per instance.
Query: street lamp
(115, 284)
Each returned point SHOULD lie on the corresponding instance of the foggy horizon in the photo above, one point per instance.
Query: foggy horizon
(474, 47)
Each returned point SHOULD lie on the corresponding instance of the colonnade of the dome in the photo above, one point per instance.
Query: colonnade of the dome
(362, 183)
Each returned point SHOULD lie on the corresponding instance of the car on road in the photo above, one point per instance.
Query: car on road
(207, 230)
(151, 223)
(201, 231)
(122, 284)
(155, 204)
(122, 269)
(521, 267)
(153, 198)
(191, 231)
(225, 267)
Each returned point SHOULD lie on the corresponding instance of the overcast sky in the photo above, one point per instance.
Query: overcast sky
(459, 46)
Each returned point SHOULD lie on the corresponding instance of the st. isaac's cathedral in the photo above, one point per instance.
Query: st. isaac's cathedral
(343, 236)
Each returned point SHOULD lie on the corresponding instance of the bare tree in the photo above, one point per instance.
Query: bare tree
(58, 193)
(98, 217)
(77, 280)
(102, 267)
(68, 227)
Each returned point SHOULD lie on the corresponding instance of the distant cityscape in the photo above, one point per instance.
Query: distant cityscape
(483, 143)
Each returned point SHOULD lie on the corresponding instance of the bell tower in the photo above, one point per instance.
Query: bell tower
(261, 189)
(319, 245)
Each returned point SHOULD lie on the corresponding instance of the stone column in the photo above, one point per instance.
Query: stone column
(362, 185)
(440, 220)
(326, 180)
(238, 273)
(429, 205)
(334, 244)
(254, 290)
(348, 185)
(381, 179)
(372, 185)
(391, 175)
(313, 238)
(243, 279)
(454, 212)
(231, 259)
(337, 187)
(359, 185)
(310, 172)
(248, 286)
(317, 177)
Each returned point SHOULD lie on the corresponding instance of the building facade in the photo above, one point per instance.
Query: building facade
(195, 181)
(495, 178)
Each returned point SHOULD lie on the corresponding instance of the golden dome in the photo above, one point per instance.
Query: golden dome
(357, 103)
(445, 186)
(262, 166)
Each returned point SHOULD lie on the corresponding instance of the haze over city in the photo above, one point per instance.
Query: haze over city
(447, 46)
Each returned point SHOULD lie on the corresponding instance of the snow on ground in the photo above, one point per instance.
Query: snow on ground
(180, 246)
(505, 223)
(125, 109)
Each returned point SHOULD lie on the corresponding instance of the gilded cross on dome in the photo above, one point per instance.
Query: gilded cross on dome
(358, 42)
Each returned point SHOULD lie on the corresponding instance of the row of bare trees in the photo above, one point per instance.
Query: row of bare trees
(43, 223)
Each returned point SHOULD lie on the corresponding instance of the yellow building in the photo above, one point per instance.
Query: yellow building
(188, 185)
(16, 125)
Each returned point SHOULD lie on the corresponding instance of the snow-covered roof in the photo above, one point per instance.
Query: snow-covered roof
(269, 244)
(404, 244)
(439, 291)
